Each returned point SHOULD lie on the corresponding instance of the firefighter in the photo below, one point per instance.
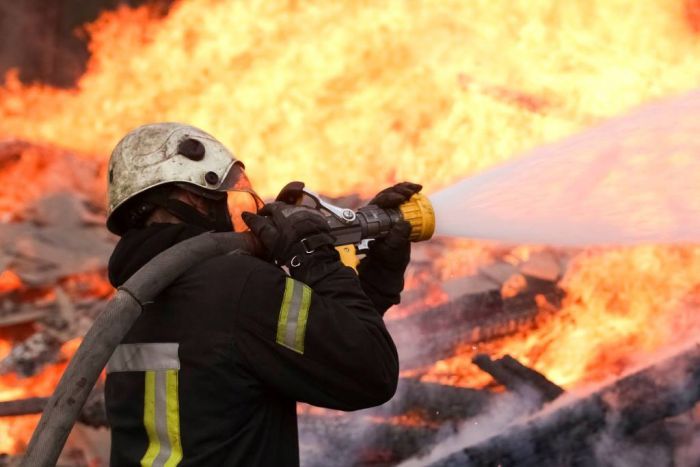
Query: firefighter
(211, 372)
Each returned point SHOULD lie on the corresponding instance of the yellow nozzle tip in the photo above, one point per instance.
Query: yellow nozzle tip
(418, 211)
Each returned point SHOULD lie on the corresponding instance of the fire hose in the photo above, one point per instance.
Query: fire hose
(352, 229)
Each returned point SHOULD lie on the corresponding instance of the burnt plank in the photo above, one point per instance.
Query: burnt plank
(515, 376)
(567, 431)
(29, 406)
(351, 440)
(434, 402)
(434, 334)
(93, 413)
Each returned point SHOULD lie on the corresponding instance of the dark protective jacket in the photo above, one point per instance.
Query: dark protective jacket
(210, 373)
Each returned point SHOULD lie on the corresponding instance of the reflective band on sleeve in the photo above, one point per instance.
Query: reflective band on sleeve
(294, 313)
(144, 357)
(162, 419)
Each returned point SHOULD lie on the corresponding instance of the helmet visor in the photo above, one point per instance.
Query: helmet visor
(240, 196)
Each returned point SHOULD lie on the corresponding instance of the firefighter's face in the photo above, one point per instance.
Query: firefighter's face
(240, 202)
(240, 197)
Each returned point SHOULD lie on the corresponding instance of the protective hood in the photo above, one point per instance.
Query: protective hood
(139, 246)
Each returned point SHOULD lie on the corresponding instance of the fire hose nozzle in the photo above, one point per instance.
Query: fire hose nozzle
(371, 222)
(418, 211)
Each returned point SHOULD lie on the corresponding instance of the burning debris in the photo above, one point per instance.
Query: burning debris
(486, 333)
(53, 252)
(500, 294)
(630, 410)
(57, 252)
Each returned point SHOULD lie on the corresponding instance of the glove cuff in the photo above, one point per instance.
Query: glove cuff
(317, 265)
(307, 246)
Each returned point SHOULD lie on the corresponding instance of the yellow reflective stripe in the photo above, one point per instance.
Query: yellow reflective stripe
(173, 418)
(161, 417)
(291, 325)
(284, 310)
(149, 420)
(303, 317)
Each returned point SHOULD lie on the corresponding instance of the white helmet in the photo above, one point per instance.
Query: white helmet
(169, 153)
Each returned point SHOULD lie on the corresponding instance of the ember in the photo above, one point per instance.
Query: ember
(351, 97)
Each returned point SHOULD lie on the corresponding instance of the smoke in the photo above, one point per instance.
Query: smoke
(35, 43)
(496, 417)
(44, 41)
(643, 418)
(688, 451)
(612, 451)
(332, 439)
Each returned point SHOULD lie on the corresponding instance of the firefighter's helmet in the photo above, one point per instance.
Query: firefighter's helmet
(169, 153)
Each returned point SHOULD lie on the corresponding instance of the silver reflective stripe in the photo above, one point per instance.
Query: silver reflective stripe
(144, 357)
(161, 420)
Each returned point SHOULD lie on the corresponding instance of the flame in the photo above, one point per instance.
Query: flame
(37, 170)
(16, 431)
(621, 306)
(9, 281)
(351, 96)
(88, 284)
(373, 92)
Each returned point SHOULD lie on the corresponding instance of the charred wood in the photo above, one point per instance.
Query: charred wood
(61, 239)
(568, 431)
(22, 316)
(11, 150)
(434, 334)
(419, 415)
(29, 356)
(515, 376)
(434, 402)
(29, 406)
(93, 413)
(353, 440)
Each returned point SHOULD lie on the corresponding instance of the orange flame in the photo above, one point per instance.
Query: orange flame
(9, 281)
(621, 306)
(369, 91)
(352, 96)
(16, 431)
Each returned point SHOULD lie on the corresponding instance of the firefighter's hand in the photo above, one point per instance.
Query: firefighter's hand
(290, 233)
(395, 196)
(393, 252)
(291, 193)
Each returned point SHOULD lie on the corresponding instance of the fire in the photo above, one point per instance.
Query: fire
(372, 91)
(621, 306)
(9, 281)
(30, 172)
(352, 96)
(15, 431)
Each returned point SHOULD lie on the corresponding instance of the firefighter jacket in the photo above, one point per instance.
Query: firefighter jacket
(210, 373)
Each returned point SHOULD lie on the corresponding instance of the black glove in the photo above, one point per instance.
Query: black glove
(393, 252)
(289, 233)
(382, 271)
(291, 193)
(395, 196)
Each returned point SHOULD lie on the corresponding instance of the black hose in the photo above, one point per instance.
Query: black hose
(108, 331)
